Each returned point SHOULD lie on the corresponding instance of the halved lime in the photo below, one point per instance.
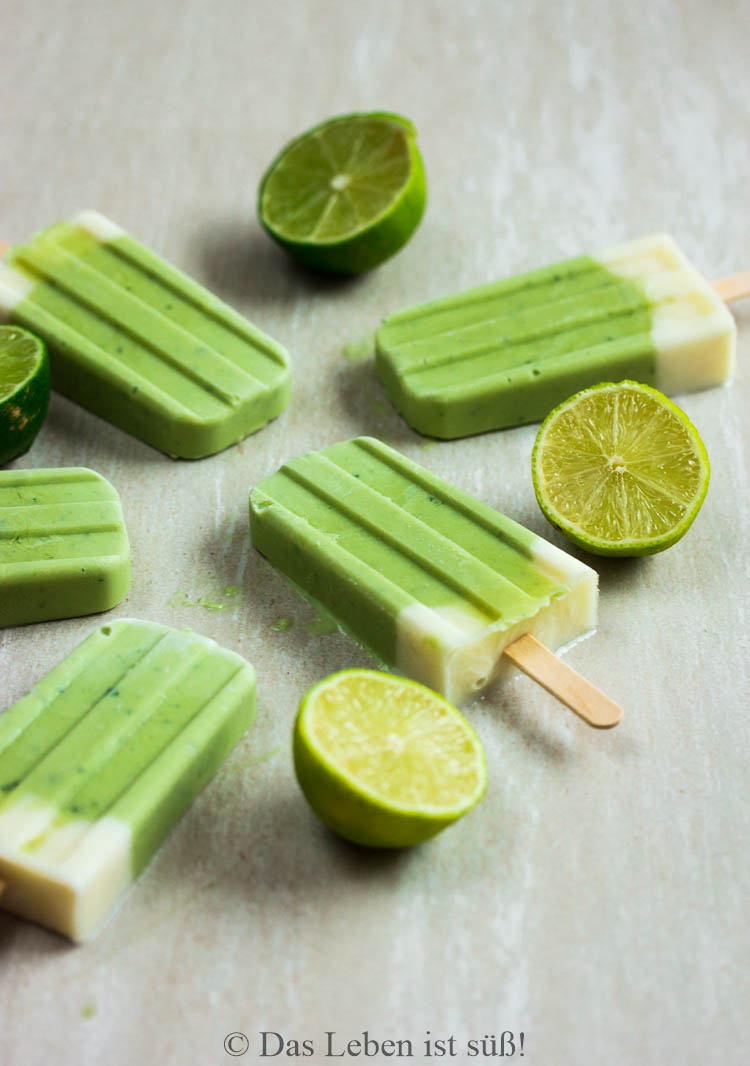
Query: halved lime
(347, 194)
(620, 469)
(384, 761)
(24, 390)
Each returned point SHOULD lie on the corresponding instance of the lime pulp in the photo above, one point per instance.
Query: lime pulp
(346, 194)
(620, 469)
(385, 761)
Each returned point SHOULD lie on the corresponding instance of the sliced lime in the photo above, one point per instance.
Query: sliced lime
(347, 194)
(384, 761)
(620, 469)
(24, 390)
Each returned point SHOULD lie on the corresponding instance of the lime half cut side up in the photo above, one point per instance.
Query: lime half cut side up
(24, 390)
(620, 469)
(347, 194)
(383, 761)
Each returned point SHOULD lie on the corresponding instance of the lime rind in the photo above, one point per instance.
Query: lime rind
(357, 227)
(658, 490)
(355, 809)
(24, 390)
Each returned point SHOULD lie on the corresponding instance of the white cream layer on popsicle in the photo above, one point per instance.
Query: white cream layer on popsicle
(100, 759)
(693, 332)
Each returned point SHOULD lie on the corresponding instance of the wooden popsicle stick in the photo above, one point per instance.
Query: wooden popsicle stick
(570, 687)
(735, 287)
(4, 247)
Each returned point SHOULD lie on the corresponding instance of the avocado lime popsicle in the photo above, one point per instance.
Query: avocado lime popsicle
(102, 757)
(64, 549)
(139, 343)
(507, 353)
(434, 583)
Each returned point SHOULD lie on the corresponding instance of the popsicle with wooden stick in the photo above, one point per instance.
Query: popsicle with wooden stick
(434, 583)
(506, 353)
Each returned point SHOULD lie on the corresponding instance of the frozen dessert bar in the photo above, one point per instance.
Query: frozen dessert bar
(431, 581)
(99, 760)
(507, 353)
(138, 342)
(64, 550)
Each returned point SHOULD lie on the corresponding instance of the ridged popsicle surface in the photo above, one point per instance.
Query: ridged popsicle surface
(64, 549)
(139, 342)
(506, 353)
(412, 567)
(102, 756)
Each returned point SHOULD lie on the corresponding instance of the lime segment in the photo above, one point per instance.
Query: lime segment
(384, 761)
(347, 194)
(620, 469)
(24, 390)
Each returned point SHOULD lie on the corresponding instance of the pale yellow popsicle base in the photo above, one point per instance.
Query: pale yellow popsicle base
(71, 881)
(563, 682)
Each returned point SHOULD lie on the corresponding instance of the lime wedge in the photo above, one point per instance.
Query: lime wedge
(384, 761)
(24, 390)
(620, 469)
(347, 194)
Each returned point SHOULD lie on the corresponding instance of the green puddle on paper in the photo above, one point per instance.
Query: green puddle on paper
(321, 627)
(181, 599)
(88, 1010)
(355, 352)
(360, 349)
(241, 765)
(317, 627)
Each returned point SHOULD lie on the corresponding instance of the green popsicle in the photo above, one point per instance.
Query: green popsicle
(506, 353)
(64, 550)
(100, 759)
(140, 343)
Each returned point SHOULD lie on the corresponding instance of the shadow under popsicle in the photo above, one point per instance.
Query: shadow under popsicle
(71, 430)
(364, 399)
(36, 940)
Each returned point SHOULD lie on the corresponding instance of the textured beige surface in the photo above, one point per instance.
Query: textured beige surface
(597, 899)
